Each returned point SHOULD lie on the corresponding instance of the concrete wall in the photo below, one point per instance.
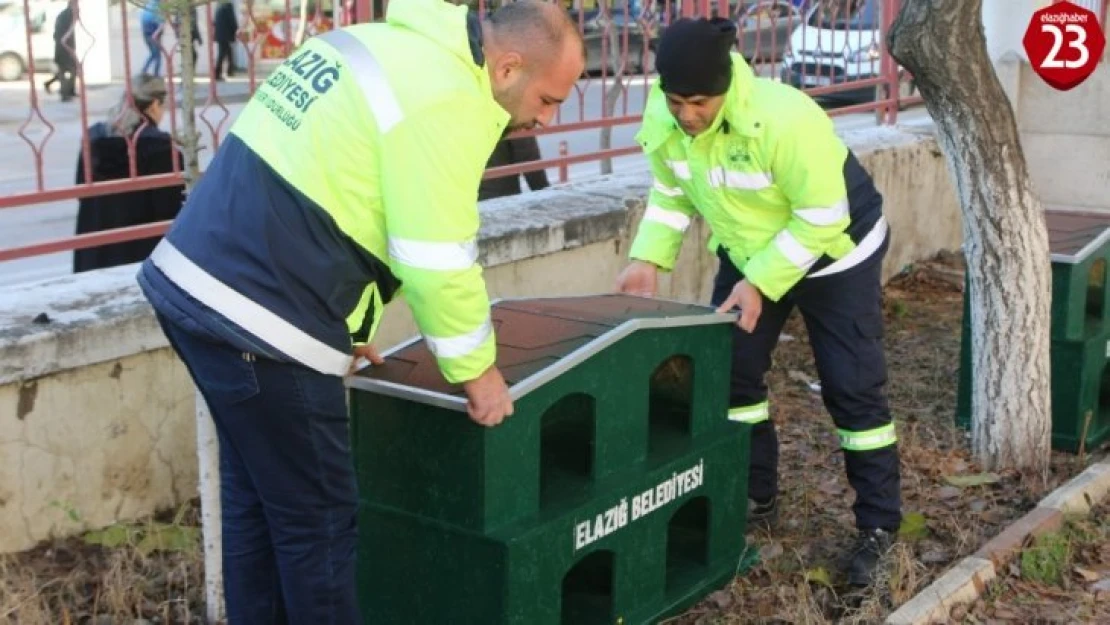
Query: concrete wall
(97, 415)
(1065, 135)
(1066, 138)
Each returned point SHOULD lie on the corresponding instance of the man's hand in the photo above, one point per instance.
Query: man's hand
(639, 278)
(488, 401)
(750, 301)
(366, 352)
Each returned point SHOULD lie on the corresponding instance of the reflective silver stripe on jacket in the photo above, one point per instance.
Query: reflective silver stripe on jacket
(247, 314)
(370, 76)
(871, 242)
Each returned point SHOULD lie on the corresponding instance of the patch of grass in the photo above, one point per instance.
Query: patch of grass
(898, 308)
(1047, 560)
(150, 570)
(1062, 577)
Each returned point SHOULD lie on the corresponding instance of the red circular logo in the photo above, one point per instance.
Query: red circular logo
(1064, 42)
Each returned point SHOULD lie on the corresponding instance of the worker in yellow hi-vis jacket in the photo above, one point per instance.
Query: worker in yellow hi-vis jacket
(352, 175)
(796, 221)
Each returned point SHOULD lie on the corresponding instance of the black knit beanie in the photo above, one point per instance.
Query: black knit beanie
(693, 56)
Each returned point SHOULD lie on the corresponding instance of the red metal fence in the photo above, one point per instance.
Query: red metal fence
(829, 48)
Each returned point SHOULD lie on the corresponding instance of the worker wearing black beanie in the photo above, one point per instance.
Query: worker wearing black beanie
(796, 222)
(693, 56)
(695, 68)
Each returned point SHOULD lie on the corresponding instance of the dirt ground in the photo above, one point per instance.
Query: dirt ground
(798, 579)
(1060, 578)
(153, 572)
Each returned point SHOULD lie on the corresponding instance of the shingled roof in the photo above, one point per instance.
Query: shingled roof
(1075, 235)
(537, 339)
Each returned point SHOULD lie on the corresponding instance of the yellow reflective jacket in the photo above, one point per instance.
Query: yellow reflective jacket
(781, 193)
(352, 172)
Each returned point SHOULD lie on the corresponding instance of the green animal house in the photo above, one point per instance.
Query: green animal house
(616, 493)
(1080, 333)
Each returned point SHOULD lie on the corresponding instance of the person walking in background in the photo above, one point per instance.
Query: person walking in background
(510, 152)
(195, 34)
(65, 60)
(226, 29)
(152, 20)
(194, 38)
(109, 160)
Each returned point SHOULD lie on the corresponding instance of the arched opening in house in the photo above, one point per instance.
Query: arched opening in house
(688, 544)
(567, 431)
(670, 408)
(588, 591)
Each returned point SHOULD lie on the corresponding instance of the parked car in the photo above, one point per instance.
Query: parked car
(764, 26)
(604, 46)
(13, 39)
(839, 42)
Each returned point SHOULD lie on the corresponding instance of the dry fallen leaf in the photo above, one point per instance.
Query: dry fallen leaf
(1087, 575)
(770, 551)
(957, 466)
(935, 556)
(978, 479)
(798, 376)
(949, 492)
(722, 599)
(994, 517)
(819, 576)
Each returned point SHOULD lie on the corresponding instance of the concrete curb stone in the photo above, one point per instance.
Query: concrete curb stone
(962, 583)
(966, 581)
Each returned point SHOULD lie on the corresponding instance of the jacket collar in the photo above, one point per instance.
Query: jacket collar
(456, 29)
(736, 115)
(451, 26)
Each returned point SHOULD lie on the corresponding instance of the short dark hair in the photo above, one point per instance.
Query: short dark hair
(539, 25)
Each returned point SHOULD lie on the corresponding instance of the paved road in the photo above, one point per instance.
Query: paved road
(58, 155)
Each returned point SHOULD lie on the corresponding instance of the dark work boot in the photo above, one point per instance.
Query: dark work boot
(763, 515)
(871, 545)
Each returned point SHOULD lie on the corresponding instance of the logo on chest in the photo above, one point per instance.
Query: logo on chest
(737, 154)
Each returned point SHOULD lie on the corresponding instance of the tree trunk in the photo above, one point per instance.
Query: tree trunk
(190, 140)
(301, 25)
(619, 66)
(208, 451)
(941, 43)
(208, 458)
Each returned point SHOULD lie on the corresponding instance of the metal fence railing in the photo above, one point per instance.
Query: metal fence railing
(830, 48)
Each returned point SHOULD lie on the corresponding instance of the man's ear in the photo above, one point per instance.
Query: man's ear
(507, 64)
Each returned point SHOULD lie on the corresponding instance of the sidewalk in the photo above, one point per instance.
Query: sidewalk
(15, 101)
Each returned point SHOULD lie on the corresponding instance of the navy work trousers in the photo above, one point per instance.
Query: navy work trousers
(844, 319)
(287, 484)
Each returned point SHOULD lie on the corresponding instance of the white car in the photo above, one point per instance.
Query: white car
(839, 42)
(13, 37)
